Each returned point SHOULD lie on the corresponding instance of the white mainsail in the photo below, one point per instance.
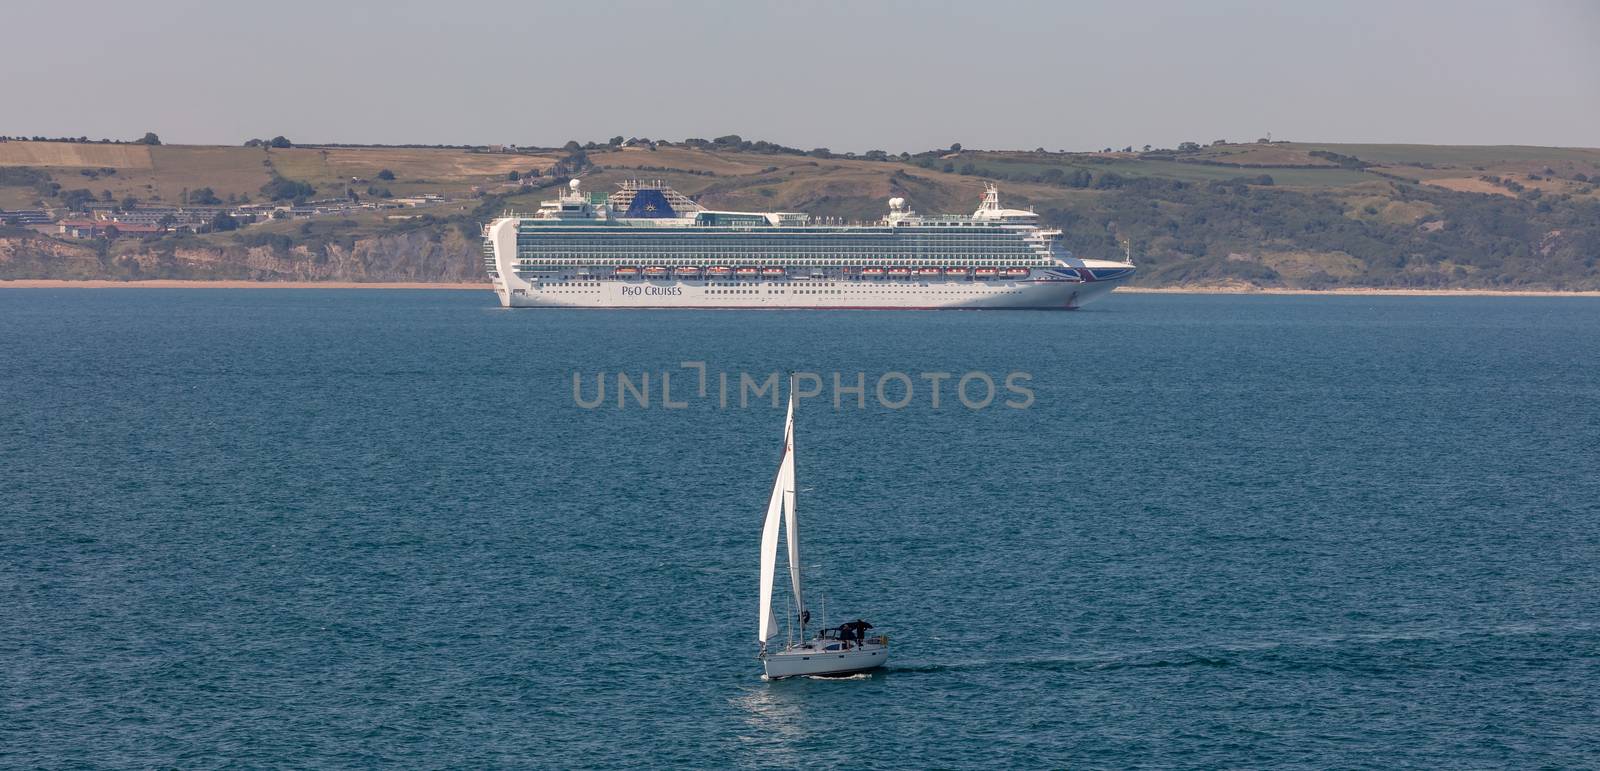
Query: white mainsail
(769, 554)
(781, 503)
(791, 520)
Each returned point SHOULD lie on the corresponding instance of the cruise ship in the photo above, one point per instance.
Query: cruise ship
(648, 246)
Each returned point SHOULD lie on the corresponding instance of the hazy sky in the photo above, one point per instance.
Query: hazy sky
(845, 75)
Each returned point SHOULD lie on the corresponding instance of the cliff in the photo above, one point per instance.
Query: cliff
(433, 254)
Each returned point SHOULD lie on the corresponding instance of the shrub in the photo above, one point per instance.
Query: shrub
(284, 189)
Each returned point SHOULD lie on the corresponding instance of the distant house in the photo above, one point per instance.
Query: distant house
(27, 216)
(106, 228)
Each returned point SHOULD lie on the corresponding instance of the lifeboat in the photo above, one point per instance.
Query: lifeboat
(984, 272)
(718, 270)
(627, 272)
(872, 272)
(956, 272)
(655, 270)
(899, 272)
(688, 270)
(1017, 272)
(928, 271)
(772, 271)
(745, 271)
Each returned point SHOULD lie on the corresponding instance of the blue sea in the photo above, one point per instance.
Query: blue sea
(331, 528)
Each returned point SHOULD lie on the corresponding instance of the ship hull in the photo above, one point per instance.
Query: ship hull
(815, 662)
(795, 294)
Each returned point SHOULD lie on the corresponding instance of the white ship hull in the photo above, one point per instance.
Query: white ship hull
(1045, 293)
(797, 662)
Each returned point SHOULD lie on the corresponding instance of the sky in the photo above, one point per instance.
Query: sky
(850, 76)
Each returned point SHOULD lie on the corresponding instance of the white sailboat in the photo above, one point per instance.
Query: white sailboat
(841, 650)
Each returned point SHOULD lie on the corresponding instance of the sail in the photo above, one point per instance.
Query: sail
(769, 552)
(791, 520)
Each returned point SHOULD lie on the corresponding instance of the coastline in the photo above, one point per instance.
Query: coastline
(41, 283)
(1356, 291)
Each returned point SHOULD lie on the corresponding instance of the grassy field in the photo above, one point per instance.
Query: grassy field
(831, 187)
(1384, 215)
(160, 174)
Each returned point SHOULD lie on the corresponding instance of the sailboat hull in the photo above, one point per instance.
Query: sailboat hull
(815, 661)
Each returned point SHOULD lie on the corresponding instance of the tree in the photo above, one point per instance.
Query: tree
(205, 196)
(615, 141)
(149, 138)
(514, 175)
(386, 175)
(166, 222)
(1188, 147)
(280, 142)
(76, 200)
(284, 189)
(112, 232)
(129, 203)
(223, 222)
(572, 146)
(955, 147)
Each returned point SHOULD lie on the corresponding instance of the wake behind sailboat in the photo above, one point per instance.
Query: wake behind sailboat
(842, 650)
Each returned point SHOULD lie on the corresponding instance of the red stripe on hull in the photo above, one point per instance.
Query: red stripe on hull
(791, 308)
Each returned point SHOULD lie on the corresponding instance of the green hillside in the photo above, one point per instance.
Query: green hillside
(1271, 214)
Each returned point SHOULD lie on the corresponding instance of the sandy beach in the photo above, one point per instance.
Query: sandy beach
(176, 284)
(1355, 291)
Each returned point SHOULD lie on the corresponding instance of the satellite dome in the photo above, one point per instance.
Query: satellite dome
(574, 184)
(896, 202)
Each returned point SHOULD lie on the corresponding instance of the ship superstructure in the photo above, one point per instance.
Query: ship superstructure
(646, 245)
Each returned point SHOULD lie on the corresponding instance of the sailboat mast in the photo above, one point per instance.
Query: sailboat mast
(791, 520)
